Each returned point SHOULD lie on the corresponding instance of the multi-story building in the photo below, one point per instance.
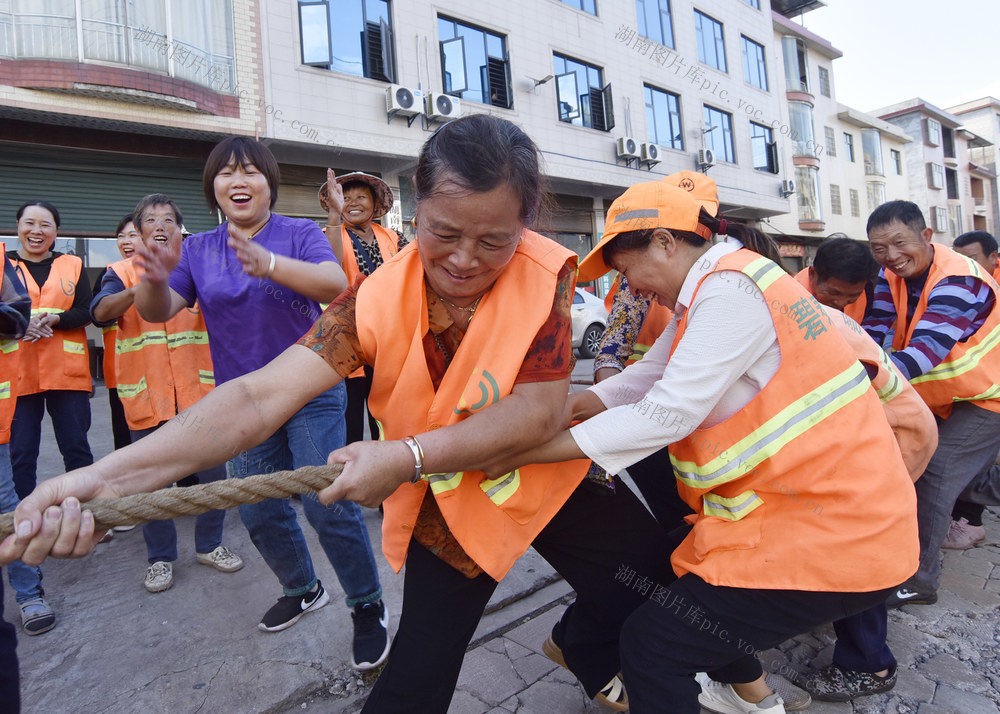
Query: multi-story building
(982, 116)
(613, 93)
(101, 103)
(941, 175)
(845, 162)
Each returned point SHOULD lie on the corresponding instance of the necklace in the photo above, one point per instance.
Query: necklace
(471, 309)
(261, 227)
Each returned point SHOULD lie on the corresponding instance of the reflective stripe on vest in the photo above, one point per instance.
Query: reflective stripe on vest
(50, 310)
(894, 386)
(764, 442)
(5, 390)
(8, 346)
(134, 344)
(969, 361)
(127, 391)
(732, 509)
(206, 377)
(74, 348)
(763, 272)
(191, 337)
(500, 489)
(445, 482)
(639, 351)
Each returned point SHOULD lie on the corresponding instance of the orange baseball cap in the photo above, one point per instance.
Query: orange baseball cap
(675, 201)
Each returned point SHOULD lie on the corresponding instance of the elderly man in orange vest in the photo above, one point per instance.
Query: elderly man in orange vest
(839, 276)
(937, 311)
(161, 370)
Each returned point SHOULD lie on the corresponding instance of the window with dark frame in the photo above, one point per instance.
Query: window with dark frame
(897, 161)
(663, 118)
(583, 99)
(754, 65)
(849, 147)
(474, 63)
(653, 20)
(765, 149)
(711, 41)
(351, 36)
(719, 134)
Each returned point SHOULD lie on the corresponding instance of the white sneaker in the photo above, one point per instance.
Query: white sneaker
(721, 699)
(221, 559)
(159, 576)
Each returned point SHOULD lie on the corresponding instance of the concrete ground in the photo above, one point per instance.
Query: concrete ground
(196, 647)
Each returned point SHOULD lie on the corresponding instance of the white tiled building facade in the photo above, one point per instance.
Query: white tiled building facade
(683, 76)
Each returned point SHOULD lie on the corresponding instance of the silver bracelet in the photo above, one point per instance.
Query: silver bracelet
(418, 457)
(270, 267)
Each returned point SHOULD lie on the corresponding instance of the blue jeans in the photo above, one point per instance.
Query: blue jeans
(25, 579)
(70, 414)
(161, 536)
(306, 440)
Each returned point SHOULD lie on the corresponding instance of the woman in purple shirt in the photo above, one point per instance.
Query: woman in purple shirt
(259, 278)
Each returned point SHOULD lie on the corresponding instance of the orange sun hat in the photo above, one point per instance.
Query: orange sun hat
(674, 202)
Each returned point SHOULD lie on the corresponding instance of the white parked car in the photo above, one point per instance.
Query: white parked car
(589, 320)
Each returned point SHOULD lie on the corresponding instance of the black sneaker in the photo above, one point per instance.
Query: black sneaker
(834, 684)
(287, 611)
(908, 596)
(371, 641)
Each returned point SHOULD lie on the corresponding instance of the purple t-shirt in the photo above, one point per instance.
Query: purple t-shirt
(250, 321)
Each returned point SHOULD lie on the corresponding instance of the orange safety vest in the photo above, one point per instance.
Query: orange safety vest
(494, 520)
(161, 368)
(8, 372)
(653, 324)
(996, 274)
(912, 422)
(855, 311)
(971, 371)
(108, 335)
(388, 245)
(779, 502)
(63, 360)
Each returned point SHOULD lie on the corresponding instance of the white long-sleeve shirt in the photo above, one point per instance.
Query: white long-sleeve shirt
(728, 353)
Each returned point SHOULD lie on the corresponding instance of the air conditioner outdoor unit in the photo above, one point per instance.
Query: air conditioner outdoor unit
(706, 158)
(787, 187)
(649, 154)
(628, 148)
(442, 106)
(403, 100)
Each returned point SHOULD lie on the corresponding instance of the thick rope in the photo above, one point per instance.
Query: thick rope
(169, 503)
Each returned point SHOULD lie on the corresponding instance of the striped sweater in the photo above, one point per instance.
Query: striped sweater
(956, 309)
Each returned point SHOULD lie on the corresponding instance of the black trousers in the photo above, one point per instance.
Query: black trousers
(589, 542)
(861, 641)
(358, 389)
(654, 477)
(10, 692)
(120, 432)
(693, 626)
